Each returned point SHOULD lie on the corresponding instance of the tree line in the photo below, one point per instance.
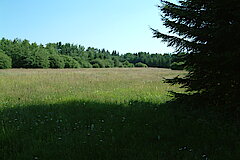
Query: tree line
(19, 53)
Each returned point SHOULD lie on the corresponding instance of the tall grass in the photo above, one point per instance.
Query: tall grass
(104, 114)
(101, 85)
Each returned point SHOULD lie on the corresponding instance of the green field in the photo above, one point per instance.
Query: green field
(103, 114)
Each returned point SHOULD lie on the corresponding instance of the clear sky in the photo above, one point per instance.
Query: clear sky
(122, 25)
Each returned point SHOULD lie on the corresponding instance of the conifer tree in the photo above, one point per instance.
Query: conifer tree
(209, 31)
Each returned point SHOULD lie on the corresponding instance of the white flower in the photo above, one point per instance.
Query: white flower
(92, 126)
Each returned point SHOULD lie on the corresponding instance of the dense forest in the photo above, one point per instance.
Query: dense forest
(23, 54)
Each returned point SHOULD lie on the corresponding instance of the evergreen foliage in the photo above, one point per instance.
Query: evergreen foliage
(209, 31)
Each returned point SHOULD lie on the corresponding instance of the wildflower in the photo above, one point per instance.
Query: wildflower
(92, 126)
(204, 155)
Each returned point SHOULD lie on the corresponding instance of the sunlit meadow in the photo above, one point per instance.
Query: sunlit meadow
(25, 86)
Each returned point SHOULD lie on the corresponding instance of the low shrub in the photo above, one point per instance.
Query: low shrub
(177, 65)
(95, 65)
(126, 64)
(140, 64)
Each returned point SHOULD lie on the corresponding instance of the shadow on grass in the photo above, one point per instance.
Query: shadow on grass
(95, 131)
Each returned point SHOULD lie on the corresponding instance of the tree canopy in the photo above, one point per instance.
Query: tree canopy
(58, 55)
(5, 61)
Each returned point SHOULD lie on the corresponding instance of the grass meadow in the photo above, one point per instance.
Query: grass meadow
(105, 114)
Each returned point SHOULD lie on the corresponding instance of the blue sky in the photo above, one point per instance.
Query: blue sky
(121, 25)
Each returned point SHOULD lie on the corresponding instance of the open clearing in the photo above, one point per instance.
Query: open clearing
(34, 86)
(104, 114)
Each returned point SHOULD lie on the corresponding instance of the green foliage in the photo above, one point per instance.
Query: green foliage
(70, 62)
(83, 62)
(5, 61)
(56, 61)
(151, 60)
(126, 64)
(98, 63)
(178, 61)
(25, 55)
(18, 50)
(51, 48)
(140, 64)
(116, 61)
(109, 63)
(177, 65)
(120, 65)
(86, 64)
(41, 59)
(209, 32)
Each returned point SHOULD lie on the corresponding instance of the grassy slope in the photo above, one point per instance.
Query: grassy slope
(103, 114)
